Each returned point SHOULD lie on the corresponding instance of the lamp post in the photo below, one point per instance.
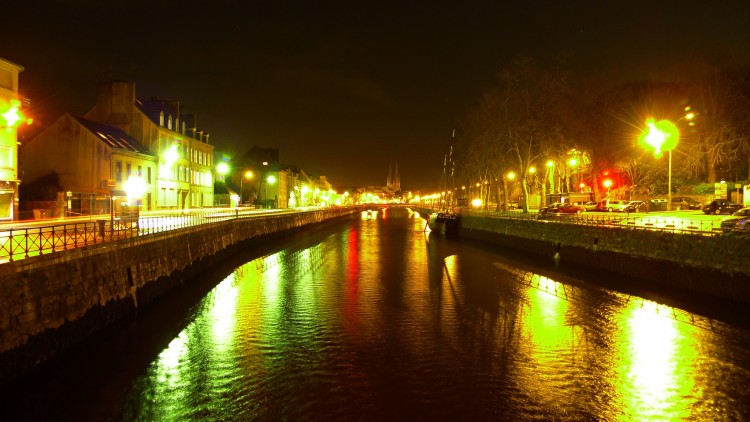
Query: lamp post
(270, 180)
(248, 174)
(662, 136)
(508, 176)
(574, 164)
(222, 168)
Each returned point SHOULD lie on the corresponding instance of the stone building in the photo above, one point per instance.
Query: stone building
(126, 146)
(91, 159)
(9, 120)
(185, 157)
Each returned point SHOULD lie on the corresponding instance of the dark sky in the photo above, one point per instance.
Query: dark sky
(342, 88)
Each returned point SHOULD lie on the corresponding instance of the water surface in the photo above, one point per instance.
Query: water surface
(375, 319)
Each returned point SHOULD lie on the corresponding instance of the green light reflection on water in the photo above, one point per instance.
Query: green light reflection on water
(223, 314)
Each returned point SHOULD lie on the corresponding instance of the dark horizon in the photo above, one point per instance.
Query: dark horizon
(341, 90)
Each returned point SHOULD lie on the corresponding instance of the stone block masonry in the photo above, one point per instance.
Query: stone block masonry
(714, 265)
(50, 302)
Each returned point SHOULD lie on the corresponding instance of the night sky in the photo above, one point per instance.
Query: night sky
(341, 88)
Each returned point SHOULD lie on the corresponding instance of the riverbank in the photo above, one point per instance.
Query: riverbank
(712, 265)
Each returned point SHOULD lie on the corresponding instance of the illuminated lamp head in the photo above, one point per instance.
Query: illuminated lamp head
(660, 136)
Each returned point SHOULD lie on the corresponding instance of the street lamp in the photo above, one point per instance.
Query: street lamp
(248, 174)
(662, 136)
(607, 184)
(270, 180)
(508, 176)
(574, 164)
(223, 169)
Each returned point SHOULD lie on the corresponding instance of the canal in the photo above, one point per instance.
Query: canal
(373, 319)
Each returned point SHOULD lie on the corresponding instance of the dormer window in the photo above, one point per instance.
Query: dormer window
(169, 123)
(161, 118)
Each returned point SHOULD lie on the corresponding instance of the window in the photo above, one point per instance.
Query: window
(6, 157)
(140, 171)
(118, 171)
(129, 170)
(148, 173)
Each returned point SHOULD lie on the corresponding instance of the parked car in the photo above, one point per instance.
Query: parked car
(739, 221)
(657, 204)
(685, 203)
(631, 206)
(608, 205)
(721, 206)
(589, 206)
(568, 208)
(562, 208)
(548, 209)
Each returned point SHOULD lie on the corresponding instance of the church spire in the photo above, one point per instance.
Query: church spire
(396, 180)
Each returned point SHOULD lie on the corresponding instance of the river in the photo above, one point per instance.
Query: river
(375, 319)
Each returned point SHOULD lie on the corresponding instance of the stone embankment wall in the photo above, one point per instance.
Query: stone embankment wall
(715, 265)
(50, 302)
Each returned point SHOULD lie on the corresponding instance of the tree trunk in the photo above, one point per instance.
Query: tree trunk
(498, 188)
(525, 190)
(711, 168)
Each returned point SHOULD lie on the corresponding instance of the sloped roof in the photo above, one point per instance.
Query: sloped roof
(153, 107)
(113, 136)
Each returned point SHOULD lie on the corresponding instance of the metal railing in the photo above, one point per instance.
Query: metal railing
(23, 242)
(639, 221)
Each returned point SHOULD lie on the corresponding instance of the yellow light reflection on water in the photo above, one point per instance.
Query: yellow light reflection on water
(656, 355)
(544, 326)
(546, 374)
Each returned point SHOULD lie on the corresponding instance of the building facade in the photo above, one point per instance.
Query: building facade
(92, 159)
(125, 148)
(184, 155)
(9, 120)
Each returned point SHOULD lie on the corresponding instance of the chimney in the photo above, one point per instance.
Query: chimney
(115, 101)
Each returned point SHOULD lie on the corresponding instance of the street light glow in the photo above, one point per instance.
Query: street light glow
(171, 155)
(134, 187)
(13, 115)
(660, 136)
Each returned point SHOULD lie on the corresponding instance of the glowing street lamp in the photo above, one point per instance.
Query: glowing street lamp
(13, 115)
(134, 188)
(509, 176)
(574, 164)
(249, 175)
(270, 180)
(607, 184)
(223, 169)
(661, 136)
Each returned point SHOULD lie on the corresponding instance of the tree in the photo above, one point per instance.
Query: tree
(719, 98)
(517, 117)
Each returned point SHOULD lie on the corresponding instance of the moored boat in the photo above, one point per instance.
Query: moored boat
(447, 222)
